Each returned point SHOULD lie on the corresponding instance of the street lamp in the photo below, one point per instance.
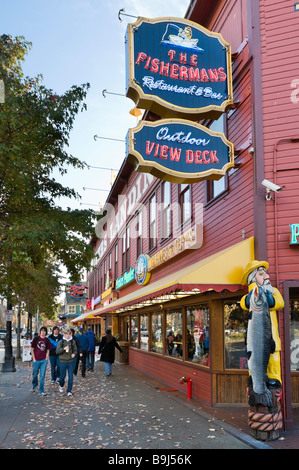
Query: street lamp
(9, 359)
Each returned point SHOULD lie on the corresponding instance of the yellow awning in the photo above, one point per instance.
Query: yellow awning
(83, 317)
(220, 271)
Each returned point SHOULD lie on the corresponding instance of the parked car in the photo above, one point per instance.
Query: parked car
(3, 335)
(23, 332)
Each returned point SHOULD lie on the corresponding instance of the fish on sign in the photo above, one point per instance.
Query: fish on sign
(177, 68)
(179, 151)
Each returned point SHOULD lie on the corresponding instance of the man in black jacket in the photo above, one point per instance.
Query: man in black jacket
(54, 338)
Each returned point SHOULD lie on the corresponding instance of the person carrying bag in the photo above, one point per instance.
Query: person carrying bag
(107, 351)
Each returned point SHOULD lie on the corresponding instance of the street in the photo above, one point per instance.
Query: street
(124, 411)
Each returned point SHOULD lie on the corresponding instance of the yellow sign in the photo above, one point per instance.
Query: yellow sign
(106, 293)
(189, 239)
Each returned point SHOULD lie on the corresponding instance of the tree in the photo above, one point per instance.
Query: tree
(35, 126)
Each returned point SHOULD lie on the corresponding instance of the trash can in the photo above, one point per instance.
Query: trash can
(122, 357)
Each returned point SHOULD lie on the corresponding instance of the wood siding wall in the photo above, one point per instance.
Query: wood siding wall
(170, 371)
(280, 42)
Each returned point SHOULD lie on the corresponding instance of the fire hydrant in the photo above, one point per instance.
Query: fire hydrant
(189, 385)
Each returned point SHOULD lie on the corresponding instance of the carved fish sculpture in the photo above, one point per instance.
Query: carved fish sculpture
(260, 345)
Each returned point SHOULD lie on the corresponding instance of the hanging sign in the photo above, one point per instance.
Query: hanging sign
(142, 276)
(179, 151)
(177, 68)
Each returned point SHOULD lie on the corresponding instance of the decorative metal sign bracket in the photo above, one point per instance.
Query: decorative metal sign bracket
(121, 12)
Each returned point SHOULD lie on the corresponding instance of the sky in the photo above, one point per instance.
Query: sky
(83, 41)
(80, 41)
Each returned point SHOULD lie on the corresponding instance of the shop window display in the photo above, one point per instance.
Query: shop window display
(235, 327)
(157, 337)
(144, 332)
(174, 336)
(294, 334)
(198, 335)
(134, 331)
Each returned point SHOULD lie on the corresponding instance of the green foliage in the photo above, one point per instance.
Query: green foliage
(35, 126)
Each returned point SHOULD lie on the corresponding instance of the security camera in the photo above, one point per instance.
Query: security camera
(271, 186)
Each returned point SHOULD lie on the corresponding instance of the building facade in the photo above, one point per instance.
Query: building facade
(183, 316)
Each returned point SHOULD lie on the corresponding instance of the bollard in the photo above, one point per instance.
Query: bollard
(189, 386)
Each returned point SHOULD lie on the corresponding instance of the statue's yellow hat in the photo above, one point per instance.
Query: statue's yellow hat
(251, 266)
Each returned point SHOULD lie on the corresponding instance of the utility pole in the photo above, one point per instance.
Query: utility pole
(19, 333)
(9, 359)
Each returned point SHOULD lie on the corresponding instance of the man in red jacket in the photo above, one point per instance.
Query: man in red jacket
(40, 350)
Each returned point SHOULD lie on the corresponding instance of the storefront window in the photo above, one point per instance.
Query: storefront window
(157, 338)
(198, 334)
(134, 331)
(294, 334)
(235, 328)
(174, 336)
(125, 329)
(144, 332)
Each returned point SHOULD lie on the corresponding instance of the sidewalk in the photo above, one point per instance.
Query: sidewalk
(125, 411)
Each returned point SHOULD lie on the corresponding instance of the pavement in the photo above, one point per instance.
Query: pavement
(127, 411)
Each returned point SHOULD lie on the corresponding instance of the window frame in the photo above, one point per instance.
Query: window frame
(166, 212)
(182, 221)
(152, 223)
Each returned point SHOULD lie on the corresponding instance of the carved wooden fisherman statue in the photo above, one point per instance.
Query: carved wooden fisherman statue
(263, 351)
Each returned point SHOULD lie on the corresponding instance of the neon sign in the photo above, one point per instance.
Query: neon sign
(77, 290)
(179, 151)
(177, 68)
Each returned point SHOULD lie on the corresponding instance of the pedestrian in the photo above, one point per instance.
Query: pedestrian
(54, 338)
(91, 349)
(40, 350)
(78, 348)
(107, 351)
(83, 340)
(67, 350)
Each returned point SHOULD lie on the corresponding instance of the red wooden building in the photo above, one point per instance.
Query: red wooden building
(187, 320)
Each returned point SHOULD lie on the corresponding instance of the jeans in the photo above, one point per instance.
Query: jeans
(36, 367)
(55, 367)
(90, 360)
(83, 360)
(108, 368)
(66, 366)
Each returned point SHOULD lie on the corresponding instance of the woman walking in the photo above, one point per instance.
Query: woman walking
(107, 351)
(67, 350)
